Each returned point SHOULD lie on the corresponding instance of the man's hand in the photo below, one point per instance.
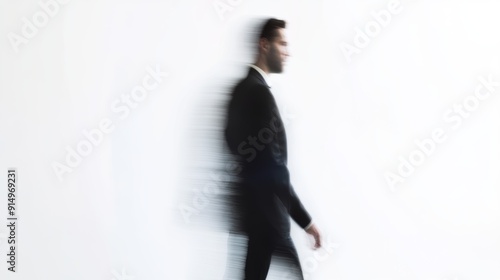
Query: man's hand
(313, 230)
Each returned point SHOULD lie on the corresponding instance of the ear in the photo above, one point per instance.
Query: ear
(264, 45)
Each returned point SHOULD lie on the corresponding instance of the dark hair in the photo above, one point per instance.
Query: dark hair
(269, 28)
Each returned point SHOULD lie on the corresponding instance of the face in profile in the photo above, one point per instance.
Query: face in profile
(278, 52)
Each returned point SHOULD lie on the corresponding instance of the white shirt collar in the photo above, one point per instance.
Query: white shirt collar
(264, 75)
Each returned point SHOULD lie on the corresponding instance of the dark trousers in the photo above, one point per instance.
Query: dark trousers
(265, 222)
(261, 247)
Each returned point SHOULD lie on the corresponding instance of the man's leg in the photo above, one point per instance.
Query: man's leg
(258, 259)
(287, 255)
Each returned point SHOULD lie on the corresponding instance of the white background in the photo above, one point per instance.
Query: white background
(116, 215)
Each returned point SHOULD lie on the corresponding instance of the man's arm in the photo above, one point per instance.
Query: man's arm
(264, 116)
(302, 218)
(298, 212)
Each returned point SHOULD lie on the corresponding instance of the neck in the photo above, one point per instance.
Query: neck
(259, 63)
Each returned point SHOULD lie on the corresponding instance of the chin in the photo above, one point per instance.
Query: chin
(278, 70)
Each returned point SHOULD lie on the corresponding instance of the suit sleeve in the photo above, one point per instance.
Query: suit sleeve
(298, 212)
(266, 113)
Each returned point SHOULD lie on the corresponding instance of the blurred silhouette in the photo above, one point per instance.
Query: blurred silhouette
(263, 199)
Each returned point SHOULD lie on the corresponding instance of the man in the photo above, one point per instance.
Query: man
(256, 136)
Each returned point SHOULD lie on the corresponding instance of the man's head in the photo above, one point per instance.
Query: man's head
(272, 45)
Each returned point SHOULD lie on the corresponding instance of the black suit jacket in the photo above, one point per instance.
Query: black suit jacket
(255, 135)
